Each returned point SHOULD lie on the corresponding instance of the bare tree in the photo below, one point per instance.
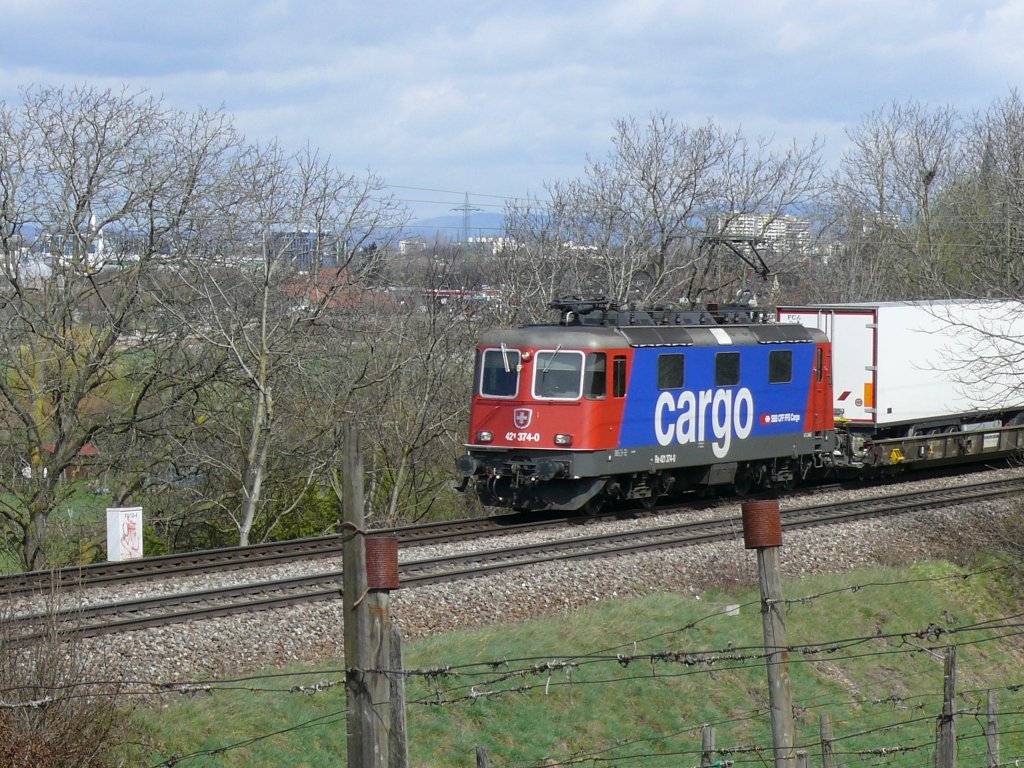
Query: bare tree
(289, 244)
(634, 226)
(888, 196)
(985, 208)
(931, 206)
(108, 183)
(414, 417)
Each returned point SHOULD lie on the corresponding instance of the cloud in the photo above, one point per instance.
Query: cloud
(499, 97)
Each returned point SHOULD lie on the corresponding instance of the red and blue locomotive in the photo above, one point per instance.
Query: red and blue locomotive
(633, 404)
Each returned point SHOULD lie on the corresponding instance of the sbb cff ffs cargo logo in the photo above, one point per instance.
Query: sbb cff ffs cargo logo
(522, 417)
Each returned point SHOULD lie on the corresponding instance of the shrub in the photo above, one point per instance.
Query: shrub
(56, 708)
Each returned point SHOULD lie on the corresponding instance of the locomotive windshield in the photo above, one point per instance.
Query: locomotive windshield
(558, 375)
(499, 376)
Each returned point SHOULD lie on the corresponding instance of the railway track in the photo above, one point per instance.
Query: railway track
(169, 609)
(255, 555)
(323, 547)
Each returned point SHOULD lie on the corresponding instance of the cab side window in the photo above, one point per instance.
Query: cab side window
(595, 376)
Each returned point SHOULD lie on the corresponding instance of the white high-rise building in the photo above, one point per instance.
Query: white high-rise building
(789, 235)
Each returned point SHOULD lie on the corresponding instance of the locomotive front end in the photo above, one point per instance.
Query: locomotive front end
(541, 408)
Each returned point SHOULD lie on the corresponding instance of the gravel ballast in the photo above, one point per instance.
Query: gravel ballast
(311, 633)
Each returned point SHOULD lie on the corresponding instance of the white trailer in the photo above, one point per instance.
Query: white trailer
(923, 364)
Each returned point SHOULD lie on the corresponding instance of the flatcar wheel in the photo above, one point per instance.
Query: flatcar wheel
(596, 505)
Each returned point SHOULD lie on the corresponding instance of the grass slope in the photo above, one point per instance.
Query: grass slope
(629, 683)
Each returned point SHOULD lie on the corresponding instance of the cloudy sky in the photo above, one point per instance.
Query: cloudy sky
(443, 97)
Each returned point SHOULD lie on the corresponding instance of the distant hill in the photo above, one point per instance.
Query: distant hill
(450, 227)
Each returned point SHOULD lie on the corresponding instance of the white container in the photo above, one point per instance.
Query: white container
(124, 533)
(907, 362)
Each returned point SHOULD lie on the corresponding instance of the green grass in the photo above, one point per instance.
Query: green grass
(616, 708)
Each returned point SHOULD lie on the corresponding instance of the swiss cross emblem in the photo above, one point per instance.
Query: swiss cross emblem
(522, 417)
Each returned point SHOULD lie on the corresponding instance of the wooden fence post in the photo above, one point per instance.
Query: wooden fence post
(945, 729)
(828, 750)
(398, 749)
(762, 530)
(707, 746)
(992, 729)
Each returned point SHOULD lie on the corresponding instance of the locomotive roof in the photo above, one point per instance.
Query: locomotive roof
(572, 336)
(612, 337)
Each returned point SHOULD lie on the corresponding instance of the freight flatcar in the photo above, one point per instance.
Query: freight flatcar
(922, 381)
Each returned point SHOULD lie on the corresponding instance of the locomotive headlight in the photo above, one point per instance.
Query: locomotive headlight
(484, 437)
(563, 439)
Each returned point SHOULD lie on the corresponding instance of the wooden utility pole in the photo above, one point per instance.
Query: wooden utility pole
(364, 690)
(762, 530)
(945, 729)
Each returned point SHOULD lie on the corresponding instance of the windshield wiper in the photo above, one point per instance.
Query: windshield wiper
(504, 357)
(551, 360)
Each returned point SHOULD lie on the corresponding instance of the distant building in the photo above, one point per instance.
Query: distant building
(91, 250)
(332, 288)
(493, 244)
(789, 235)
(307, 250)
(412, 245)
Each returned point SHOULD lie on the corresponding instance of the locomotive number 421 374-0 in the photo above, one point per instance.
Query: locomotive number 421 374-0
(523, 437)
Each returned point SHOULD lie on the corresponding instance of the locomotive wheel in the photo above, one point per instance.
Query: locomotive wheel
(743, 484)
(656, 484)
(596, 505)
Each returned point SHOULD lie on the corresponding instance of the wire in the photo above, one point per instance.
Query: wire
(457, 192)
(316, 721)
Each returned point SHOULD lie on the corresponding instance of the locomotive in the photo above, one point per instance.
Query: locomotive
(619, 403)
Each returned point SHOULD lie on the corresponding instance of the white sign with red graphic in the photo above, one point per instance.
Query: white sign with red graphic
(124, 533)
